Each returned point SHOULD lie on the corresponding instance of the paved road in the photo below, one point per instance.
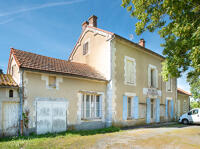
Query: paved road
(174, 137)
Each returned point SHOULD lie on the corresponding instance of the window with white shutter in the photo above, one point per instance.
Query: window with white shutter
(130, 71)
(169, 84)
(85, 48)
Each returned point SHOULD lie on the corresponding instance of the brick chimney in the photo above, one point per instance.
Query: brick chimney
(142, 42)
(93, 21)
(84, 25)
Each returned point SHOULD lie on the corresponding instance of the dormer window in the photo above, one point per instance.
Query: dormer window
(52, 81)
(85, 48)
(11, 93)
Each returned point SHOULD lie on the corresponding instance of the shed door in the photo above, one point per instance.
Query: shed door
(51, 116)
(10, 116)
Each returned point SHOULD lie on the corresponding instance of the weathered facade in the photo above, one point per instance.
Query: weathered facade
(108, 80)
(183, 102)
(9, 106)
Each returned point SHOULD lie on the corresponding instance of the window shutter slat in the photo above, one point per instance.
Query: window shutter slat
(125, 108)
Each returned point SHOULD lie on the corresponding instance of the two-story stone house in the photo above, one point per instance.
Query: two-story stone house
(108, 80)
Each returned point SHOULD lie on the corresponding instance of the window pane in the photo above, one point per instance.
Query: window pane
(97, 106)
(129, 106)
(87, 106)
(92, 106)
(82, 107)
(52, 81)
(152, 77)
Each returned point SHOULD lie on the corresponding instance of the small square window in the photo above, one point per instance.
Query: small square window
(52, 81)
(11, 93)
(85, 48)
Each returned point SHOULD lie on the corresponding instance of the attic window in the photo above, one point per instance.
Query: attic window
(52, 81)
(11, 93)
(85, 48)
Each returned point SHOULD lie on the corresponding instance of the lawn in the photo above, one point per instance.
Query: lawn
(159, 136)
(69, 139)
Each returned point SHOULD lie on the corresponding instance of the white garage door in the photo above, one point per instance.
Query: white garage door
(51, 116)
(10, 118)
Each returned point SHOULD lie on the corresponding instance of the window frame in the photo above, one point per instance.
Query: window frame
(88, 46)
(154, 68)
(9, 93)
(92, 107)
(131, 107)
(52, 85)
(126, 81)
(170, 80)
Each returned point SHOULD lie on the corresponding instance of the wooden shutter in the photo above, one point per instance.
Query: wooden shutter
(157, 110)
(148, 111)
(125, 108)
(172, 108)
(135, 107)
(166, 108)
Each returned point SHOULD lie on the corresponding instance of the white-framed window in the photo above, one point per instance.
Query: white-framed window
(52, 81)
(169, 84)
(130, 71)
(129, 107)
(91, 106)
(152, 76)
(85, 48)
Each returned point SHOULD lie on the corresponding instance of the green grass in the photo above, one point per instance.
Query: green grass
(56, 140)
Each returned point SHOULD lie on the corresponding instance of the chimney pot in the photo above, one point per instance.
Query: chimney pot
(93, 21)
(142, 42)
(84, 25)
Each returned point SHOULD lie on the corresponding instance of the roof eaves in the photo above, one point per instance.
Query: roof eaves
(64, 74)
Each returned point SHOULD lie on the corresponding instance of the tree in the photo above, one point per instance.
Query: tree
(195, 104)
(178, 23)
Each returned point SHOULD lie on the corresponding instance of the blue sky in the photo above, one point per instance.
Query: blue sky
(52, 27)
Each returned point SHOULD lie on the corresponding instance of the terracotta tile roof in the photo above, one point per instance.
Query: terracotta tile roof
(183, 92)
(37, 62)
(6, 80)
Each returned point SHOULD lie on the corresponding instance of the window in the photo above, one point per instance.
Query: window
(195, 111)
(169, 84)
(52, 81)
(129, 107)
(152, 76)
(85, 48)
(11, 93)
(130, 72)
(90, 106)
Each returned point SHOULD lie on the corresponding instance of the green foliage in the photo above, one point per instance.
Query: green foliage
(195, 104)
(178, 22)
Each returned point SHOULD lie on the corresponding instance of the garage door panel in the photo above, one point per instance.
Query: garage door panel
(10, 118)
(44, 122)
(51, 116)
(59, 116)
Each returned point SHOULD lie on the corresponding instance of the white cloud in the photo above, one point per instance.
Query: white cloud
(39, 7)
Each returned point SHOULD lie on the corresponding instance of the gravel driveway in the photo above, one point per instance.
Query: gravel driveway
(174, 137)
